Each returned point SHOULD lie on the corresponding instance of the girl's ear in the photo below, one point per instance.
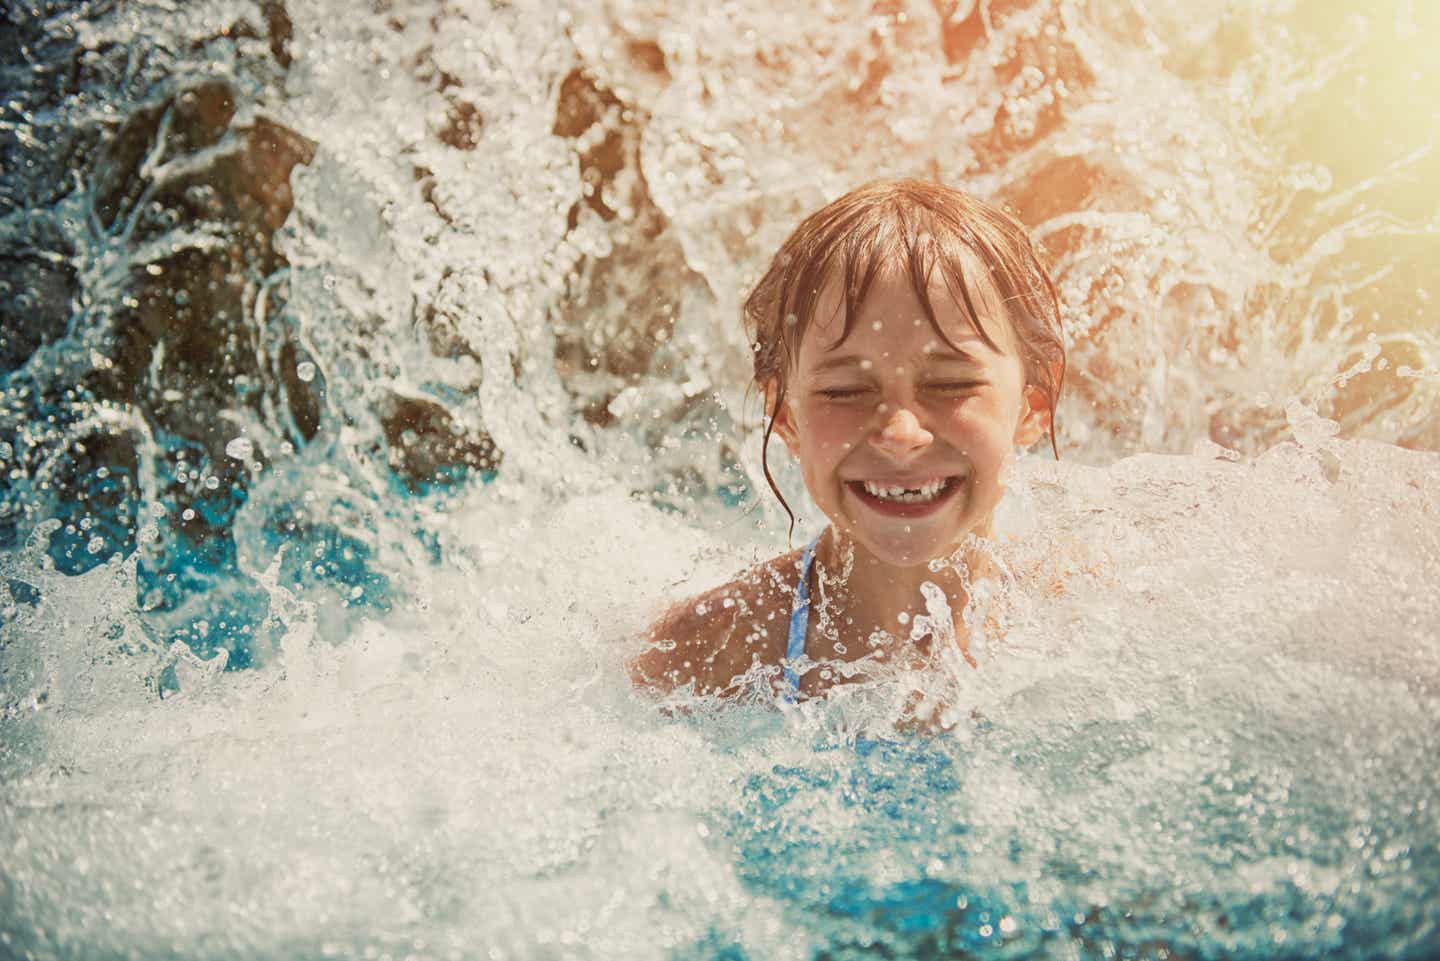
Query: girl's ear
(1035, 416)
(782, 417)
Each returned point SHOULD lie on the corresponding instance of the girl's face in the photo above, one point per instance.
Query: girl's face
(903, 440)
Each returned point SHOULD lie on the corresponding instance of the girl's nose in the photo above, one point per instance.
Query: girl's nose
(902, 435)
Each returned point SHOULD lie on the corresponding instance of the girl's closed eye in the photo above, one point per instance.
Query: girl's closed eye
(844, 392)
(954, 386)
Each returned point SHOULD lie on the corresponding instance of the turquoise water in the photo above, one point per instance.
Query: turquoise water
(368, 378)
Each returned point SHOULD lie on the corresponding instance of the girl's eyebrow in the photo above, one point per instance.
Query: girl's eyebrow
(945, 355)
(843, 360)
(953, 356)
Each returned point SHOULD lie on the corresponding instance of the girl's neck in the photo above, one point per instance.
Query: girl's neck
(875, 596)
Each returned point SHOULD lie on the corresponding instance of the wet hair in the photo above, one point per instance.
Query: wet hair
(920, 227)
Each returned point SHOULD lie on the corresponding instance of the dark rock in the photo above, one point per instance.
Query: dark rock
(425, 442)
(463, 125)
(37, 297)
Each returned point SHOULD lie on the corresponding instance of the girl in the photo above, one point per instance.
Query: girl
(907, 340)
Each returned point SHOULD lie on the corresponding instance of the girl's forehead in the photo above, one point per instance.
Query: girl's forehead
(890, 306)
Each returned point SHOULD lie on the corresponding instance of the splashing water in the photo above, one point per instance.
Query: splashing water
(345, 352)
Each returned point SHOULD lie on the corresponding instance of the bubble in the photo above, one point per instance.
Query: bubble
(239, 448)
(96, 545)
(305, 371)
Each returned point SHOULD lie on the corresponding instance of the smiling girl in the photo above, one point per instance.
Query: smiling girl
(907, 341)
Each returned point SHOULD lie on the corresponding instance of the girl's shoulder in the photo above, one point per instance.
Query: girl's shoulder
(713, 639)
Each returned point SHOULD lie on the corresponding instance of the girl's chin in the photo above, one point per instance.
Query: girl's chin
(905, 551)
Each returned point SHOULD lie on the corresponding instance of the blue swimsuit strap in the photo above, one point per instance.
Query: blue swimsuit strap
(799, 620)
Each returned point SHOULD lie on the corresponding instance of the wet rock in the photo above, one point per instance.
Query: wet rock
(583, 104)
(962, 28)
(102, 513)
(1041, 70)
(619, 308)
(280, 29)
(463, 125)
(647, 54)
(184, 349)
(189, 121)
(245, 184)
(38, 293)
(426, 445)
(303, 391)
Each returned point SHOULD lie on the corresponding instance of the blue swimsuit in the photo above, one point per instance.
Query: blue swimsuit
(795, 643)
(799, 620)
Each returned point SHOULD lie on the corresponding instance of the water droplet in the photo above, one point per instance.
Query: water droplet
(96, 545)
(305, 371)
(239, 448)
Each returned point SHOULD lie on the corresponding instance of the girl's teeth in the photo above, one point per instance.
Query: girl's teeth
(906, 495)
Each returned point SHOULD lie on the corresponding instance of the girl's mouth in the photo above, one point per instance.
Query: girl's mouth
(910, 499)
